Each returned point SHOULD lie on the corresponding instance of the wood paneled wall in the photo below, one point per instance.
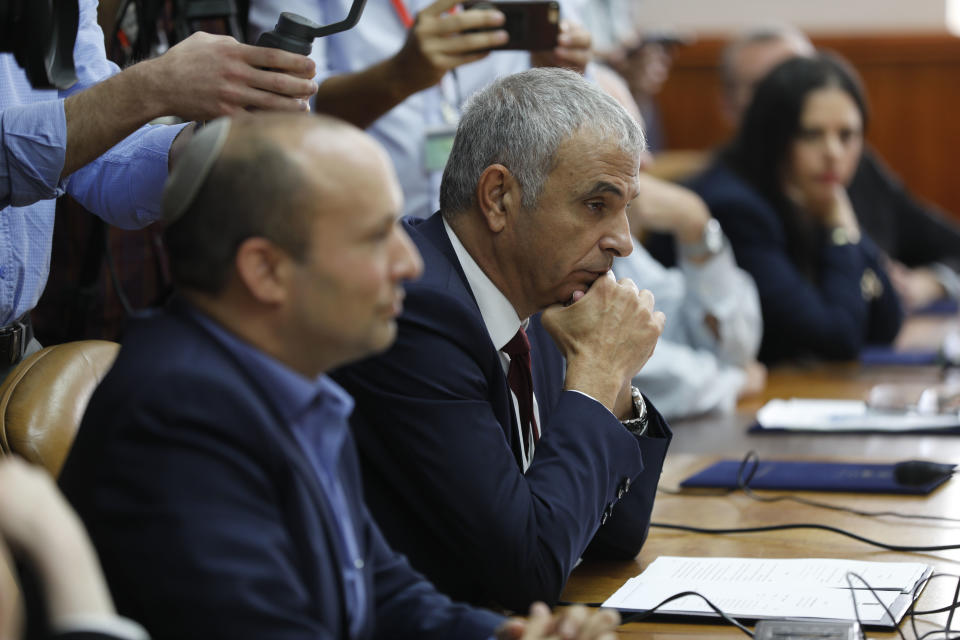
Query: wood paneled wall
(913, 85)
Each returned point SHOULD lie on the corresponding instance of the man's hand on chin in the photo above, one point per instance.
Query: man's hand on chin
(606, 337)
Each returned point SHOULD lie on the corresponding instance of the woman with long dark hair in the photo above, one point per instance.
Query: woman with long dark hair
(779, 192)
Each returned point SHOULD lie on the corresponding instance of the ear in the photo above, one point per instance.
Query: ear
(498, 196)
(264, 269)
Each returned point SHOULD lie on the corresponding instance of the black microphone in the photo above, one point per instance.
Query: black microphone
(920, 472)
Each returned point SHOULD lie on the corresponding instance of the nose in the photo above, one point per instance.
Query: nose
(834, 146)
(406, 262)
(617, 239)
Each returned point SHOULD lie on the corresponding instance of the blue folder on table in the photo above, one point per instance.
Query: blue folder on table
(786, 475)
(879, 356)
(943, 306)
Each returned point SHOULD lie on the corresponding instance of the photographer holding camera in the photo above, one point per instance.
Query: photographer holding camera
(88, 138)
(405, 71)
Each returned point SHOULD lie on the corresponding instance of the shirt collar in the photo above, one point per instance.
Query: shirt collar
(498, 314)
(292, 393)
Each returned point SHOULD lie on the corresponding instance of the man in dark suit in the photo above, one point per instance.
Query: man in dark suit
(492, 493)
(214, 468)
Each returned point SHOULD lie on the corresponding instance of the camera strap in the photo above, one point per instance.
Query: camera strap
(403, 13)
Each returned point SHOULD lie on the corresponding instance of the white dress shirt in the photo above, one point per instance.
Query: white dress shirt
(692, 371)
(502, 323)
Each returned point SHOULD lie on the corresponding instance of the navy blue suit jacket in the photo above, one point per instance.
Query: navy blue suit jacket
(829, 317)
(210, 522)
(440, 452)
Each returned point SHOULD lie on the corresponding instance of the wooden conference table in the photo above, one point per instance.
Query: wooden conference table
(699, 442)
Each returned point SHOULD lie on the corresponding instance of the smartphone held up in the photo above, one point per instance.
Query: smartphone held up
(531, 26)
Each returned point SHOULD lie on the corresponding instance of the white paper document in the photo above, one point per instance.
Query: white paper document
(804, 414)
(759, 588)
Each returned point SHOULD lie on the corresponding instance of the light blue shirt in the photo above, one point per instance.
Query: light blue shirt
(123, 186)
(692, 370)
(317, 412)
(379, 35)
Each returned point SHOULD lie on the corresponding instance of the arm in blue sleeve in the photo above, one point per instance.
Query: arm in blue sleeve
(89, 54)
(125, 185)
(34, 133)
(33, 142)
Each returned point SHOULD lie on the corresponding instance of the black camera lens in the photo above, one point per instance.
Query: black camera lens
(41, 34)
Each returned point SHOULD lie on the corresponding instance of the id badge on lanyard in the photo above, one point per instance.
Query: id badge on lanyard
(438, 138)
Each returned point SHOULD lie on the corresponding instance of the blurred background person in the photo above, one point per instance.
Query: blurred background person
(646, 66)
(779, 192)
(922, 242)
(705, 359)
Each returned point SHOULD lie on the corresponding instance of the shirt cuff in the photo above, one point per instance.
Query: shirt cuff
(109, 624)
(948, 278)
(712, 275)
(155, 151)
(125, 185)
(34, 151)
(653, 429)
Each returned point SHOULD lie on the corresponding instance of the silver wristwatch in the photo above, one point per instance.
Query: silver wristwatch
(711, 242)
(637, 425)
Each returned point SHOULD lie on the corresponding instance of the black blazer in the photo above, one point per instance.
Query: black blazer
(207, 517)
(828, 317)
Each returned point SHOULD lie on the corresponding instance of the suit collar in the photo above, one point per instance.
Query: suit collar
(499, 316)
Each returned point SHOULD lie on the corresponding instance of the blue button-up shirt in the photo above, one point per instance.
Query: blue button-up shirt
(123, 186)
(317, 412)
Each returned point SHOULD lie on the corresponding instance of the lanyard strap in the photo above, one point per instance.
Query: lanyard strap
(401, 8)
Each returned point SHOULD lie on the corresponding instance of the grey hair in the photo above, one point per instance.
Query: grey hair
(763, 34)
(520, 121)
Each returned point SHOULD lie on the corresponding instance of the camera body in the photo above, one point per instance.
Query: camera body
(531, 26)
(40, 34)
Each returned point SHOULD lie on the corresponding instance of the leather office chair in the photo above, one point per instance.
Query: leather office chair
(44, 397)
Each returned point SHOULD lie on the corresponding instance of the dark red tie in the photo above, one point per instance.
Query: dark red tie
(520, 379)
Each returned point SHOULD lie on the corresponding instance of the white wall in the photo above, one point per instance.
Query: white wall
(722, 17)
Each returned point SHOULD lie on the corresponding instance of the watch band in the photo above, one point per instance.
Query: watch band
(638, 424)
(711, 242)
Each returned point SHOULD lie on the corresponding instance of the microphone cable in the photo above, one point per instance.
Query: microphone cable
(911, 612)
(743, 482)
(807, 525)
(744, 476)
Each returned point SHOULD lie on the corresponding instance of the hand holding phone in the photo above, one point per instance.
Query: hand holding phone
(573, 51)
(531, 26)
(440, 41)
